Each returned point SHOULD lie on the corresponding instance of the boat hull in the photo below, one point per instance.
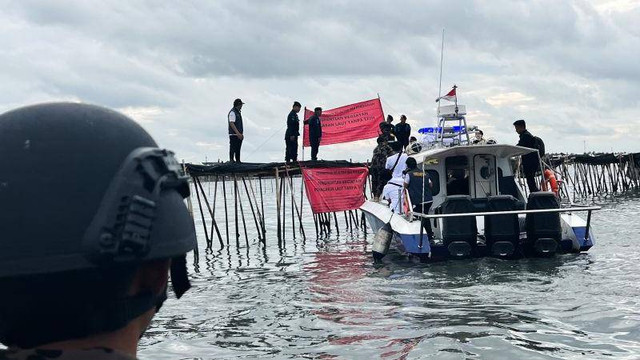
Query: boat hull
(407, 234)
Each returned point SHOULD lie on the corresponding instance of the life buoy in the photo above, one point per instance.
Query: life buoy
(550, 182)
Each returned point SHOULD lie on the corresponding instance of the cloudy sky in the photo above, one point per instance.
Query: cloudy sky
(570, 68)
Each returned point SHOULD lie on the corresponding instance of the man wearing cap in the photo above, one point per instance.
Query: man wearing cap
(315, 132)
(235, 130)
(82, 277)
(292, 133)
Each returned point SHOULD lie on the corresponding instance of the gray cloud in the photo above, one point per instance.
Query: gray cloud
(568, 67)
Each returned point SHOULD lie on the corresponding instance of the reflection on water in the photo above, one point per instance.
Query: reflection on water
(324, 299)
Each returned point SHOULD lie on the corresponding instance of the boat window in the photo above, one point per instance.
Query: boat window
(435, 181)
(457, 168)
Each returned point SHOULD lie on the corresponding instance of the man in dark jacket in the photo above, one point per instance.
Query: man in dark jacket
(420, 193)
(292, 133)
(386, 129)
(236, 131)
(403, 131)
(530, 162)
(315, 132)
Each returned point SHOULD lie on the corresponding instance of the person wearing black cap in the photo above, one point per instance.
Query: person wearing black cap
(236, 131)
(315, 132)
(292, 133)
(83, 276)
(403, 132)
(531, 161)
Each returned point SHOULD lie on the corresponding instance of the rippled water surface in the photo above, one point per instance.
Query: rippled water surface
(323, 298)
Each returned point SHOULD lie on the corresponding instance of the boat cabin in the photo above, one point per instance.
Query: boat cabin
(478, 171)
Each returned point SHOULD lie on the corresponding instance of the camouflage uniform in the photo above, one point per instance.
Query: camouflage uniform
(41, 354)
(378, 162)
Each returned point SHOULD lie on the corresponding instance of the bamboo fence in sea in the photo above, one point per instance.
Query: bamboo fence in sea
(594, 175)
(230, 194)
(231, 197)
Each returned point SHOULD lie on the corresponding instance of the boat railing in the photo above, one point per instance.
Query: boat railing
(575, 208)
(509, 212)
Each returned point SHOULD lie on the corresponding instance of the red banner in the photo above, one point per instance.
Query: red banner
(348, 123)
(335, 189)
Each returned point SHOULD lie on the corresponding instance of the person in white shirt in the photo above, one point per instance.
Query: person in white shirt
(479, 138)
(398, 161)
(394, 193)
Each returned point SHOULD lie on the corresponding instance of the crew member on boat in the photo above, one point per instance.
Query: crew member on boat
(419, 187)
(315, 132)
(292, 133)
(396, 162)
(394, 193)
(386, 129)
(403, 131)
(378, 163)
(531, 161)
(414, 146)
(479, 138)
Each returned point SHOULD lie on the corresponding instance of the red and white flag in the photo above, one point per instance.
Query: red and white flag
(451, 95)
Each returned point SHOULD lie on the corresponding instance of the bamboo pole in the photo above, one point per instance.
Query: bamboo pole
(235, 201)
(278, 206)
(253, 212)
(283, 192)
(264, 229)
(214, 224)
(204, 223)
(296, 208)
(226, 212)
(189, 204)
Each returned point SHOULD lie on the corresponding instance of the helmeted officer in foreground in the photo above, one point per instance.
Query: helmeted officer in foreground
(92, 220)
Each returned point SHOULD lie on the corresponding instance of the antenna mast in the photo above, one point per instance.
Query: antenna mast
(441, 60)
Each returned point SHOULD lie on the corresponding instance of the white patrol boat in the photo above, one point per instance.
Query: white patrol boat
(479, 209)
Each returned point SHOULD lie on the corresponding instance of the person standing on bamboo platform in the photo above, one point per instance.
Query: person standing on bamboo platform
(403, 131)
(315, 132)
(235, 130)
(292, 133)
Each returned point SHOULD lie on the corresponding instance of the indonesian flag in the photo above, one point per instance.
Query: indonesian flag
(451, 95)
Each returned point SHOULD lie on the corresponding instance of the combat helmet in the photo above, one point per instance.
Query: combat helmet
(86, 197)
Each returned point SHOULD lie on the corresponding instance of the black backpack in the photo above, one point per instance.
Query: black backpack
(539, 144)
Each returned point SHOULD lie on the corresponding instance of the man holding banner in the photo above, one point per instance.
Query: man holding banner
(343, 124)
(315, 132)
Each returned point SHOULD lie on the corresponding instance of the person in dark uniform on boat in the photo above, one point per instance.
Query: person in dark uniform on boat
(83, 276)
(420, 194)
(387, 130)
(377, 168)
(292, 133)
(315, 132)
(531, 161)
(236, 131)
(403, 132)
